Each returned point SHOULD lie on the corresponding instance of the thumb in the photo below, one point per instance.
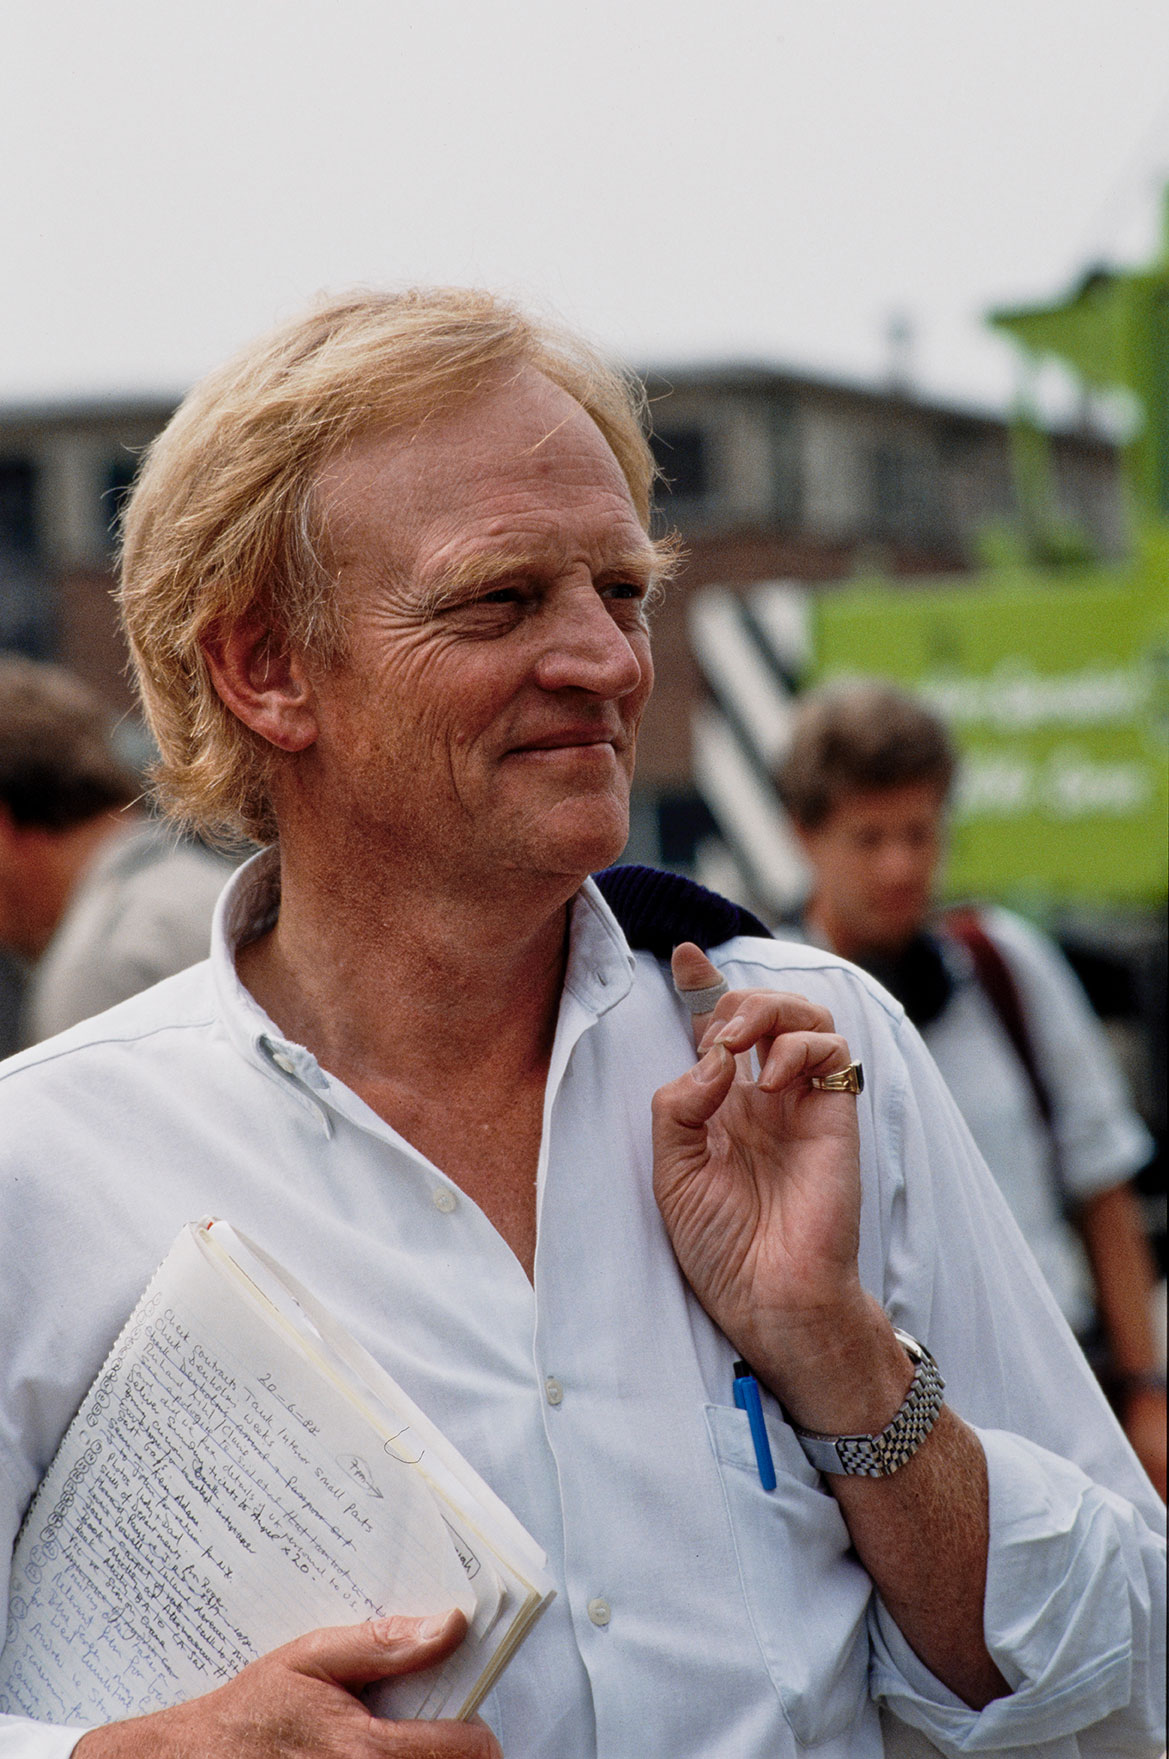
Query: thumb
(699, 984)
(379, 1649)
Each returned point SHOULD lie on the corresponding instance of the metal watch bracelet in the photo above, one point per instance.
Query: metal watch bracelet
(876, 1456)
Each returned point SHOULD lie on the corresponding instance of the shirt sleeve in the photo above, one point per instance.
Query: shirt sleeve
(1100, 1139)
(1071, 1621)
(21, 1739)
(1075, 1601)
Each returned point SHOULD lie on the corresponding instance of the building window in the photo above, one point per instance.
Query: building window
(786, 485)
(18, 521)
(904, 504)
(683, 457)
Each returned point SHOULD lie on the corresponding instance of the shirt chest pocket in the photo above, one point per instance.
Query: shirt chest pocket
(806, 1595)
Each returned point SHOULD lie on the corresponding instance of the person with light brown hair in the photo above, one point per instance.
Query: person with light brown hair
(387, 580)
(97, 900)
(866, 782)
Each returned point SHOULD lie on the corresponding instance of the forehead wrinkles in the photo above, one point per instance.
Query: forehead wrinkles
(506, 486)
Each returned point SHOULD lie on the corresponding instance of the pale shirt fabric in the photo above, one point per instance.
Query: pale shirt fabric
(141, 911)
(737, 1621)
(1099, 1139)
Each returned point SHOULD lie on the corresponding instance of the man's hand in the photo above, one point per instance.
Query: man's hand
(299, 1700)
(758, 1182)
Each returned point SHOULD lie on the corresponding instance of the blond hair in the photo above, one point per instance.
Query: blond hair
(220, 526)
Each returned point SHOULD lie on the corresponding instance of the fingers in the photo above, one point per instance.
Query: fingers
(797, 1056)
(771, 1011)
(793, 1038)
(379, 1649)
(793, 1042)
(745, 1018)
(436, 1740)
(300, 1699)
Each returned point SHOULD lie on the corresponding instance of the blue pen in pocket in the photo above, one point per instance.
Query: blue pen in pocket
(747, 1399)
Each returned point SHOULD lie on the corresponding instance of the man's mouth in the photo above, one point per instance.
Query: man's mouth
(568, 739)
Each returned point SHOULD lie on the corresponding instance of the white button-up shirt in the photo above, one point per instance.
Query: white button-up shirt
(696, 1613)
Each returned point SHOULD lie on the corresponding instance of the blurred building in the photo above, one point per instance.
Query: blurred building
(773, 476)
(64, 468)
(824, 475)
(768, 475)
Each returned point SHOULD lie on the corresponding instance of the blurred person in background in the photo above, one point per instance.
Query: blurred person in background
(96, 900)
(866, 783)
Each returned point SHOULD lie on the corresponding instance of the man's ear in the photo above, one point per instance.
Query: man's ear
(264, 684)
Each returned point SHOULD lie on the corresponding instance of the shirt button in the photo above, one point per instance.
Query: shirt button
(600, 1612)
(553, 1390)
(444, 1199)
(283, 1061)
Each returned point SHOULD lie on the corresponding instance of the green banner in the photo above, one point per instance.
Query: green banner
(1057, 692)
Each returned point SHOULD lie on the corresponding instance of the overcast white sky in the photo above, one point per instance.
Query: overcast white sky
(683, 180)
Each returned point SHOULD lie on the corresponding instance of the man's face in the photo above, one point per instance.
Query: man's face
(874, 859)
(493, 573)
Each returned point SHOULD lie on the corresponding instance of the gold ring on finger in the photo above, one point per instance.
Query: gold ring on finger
(850, 1080)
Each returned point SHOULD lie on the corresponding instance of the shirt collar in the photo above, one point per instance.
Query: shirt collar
(248, 908)
(599, 972)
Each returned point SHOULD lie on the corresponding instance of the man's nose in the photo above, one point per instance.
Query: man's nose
(584, 648)
(901, 861)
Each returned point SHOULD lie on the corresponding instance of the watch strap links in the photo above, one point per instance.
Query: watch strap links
(877, 1456)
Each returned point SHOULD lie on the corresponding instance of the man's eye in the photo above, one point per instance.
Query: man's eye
(625, 589)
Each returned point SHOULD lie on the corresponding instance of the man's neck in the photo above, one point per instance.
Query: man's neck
(835, 933)
(398, 976)
(440, 1015)
(825, 928)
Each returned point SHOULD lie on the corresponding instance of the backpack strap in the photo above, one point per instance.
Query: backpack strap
(658, 910)
(997, 981)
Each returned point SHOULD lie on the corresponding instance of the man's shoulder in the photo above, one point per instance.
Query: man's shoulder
(748, 962)
(655, 909)
(183, 1003)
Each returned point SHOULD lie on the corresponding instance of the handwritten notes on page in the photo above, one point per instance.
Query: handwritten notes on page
(233, 1480)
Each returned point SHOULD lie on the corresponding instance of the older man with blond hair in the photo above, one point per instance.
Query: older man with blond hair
(386, 579)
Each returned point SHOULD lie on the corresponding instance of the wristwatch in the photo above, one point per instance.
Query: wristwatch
(876, 1456)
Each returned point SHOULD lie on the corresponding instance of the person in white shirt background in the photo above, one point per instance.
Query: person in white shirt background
(97, 901)
(866, 782)
(387, 581)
